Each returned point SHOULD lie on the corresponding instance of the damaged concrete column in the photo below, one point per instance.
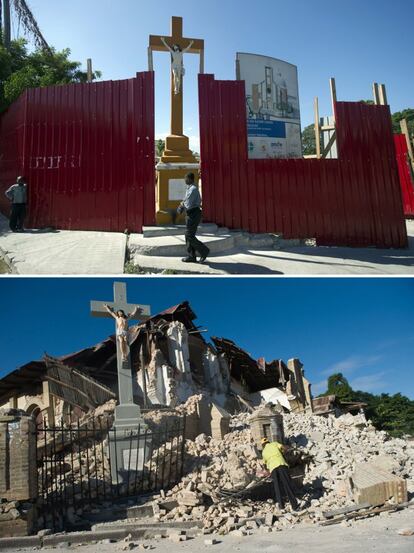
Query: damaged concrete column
(214, 379)
(298, 386)
(18, 473)
(160, 380)
(179, 355)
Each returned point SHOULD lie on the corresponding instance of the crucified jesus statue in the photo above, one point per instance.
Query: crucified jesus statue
(122, 327)
(177, 62)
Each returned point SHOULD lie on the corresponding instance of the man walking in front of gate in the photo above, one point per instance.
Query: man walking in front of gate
(192, 206)
(17, 194)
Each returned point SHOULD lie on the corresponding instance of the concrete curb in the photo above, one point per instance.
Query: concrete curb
(85, 537)
(98, 533)
(20, 542)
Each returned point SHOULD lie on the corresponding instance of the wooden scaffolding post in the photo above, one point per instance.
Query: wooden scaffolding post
(317, 128)
(332, 85)
(383, 95)
(375, 93)
(89, 70)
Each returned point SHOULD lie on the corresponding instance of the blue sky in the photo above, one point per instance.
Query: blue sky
(355, 42)
(362, 327)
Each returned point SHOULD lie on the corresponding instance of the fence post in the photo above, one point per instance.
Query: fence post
(18, 472)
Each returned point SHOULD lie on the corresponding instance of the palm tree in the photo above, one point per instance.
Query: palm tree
(25, 16)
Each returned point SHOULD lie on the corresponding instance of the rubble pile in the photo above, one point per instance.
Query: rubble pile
(330, 448)
(16, 517)
(221, 476)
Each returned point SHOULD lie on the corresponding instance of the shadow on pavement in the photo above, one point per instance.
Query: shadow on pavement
(6, 232)
(368, 255)
(241, 268)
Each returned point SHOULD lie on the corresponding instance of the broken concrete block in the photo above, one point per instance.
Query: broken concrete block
(211, 541)
(385, 462)
(375, 486)
(190, 499)
(177, 538)
(406, 532)
(238, 533)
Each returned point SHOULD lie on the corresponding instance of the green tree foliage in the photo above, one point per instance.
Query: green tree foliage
(338, 385)
(392, 413)
(159, 147)
(308, 140)
(21, 69)
(405, 114)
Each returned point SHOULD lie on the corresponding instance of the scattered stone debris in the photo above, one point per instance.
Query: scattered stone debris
(406, 532)
(328, 449)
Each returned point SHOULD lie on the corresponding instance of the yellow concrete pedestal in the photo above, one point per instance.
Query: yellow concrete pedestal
(176, 161)
(171, 189)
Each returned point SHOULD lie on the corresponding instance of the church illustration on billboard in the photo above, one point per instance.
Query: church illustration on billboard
(272, 106)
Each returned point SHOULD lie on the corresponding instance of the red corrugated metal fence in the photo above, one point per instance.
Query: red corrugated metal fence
(406, 177)
(351, 201)
(87, 151)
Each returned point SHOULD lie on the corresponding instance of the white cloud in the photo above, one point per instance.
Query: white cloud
(352, 363)
(370, 383)
(161, 135)
(194, 143)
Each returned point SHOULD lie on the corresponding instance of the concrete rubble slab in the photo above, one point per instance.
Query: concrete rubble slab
(373, 485)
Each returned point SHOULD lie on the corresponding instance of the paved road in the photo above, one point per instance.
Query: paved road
(379, 535)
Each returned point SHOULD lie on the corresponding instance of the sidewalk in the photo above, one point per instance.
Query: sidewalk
(99, 253)
(62, 252)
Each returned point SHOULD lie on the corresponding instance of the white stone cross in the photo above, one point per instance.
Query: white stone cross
(98, 309)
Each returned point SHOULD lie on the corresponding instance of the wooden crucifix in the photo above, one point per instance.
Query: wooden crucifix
(177, 45)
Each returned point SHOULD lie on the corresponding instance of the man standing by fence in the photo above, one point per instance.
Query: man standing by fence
(17, 194)
(192, 206)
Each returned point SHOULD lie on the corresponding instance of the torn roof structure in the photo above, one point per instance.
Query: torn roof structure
(258, 375)
(178, 363)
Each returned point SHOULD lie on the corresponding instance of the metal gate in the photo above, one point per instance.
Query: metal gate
(351, 201)
(75, 464)
(406, 174)
(87, 152)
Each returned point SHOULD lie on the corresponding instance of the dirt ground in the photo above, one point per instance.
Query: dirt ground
(379, 534)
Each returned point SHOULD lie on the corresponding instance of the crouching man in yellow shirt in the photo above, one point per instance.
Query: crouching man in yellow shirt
(279, 470)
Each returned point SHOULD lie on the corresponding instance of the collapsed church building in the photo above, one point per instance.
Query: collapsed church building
(195, 458)
(171, 361)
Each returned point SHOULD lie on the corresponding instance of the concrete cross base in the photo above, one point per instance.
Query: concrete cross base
(129, 450)
(129, 415)
(171, 190)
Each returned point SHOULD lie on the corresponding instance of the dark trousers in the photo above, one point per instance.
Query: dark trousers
(283, 487)
(192, 220)
(17, 216)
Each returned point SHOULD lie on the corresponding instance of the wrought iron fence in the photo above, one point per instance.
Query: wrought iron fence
(79, 466)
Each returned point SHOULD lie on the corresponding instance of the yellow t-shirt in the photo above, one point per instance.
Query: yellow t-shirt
(272, 456)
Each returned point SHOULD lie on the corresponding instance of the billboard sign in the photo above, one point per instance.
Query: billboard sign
(272, 106)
